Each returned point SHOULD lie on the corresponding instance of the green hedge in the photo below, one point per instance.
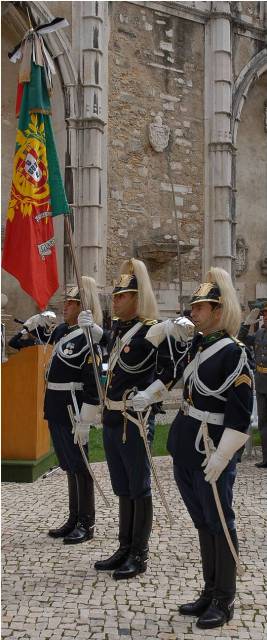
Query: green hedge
(97, 453)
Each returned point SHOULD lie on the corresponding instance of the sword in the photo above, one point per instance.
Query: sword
(143, 434)
(206, 440)
(88, 466)
(51, 470)
(141, 423)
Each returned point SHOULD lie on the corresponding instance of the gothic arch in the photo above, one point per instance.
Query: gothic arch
(249, 74)
(59, 46)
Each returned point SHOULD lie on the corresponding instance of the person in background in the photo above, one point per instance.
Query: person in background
(217, 402)
(70, 381)
(258, 341)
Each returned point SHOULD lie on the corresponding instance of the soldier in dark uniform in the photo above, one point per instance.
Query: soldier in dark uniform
(217, 396)
(70, 380)
(36, 330)
(259, 343)
(135, 365)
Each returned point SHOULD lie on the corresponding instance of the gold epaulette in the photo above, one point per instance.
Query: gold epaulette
(240, 344)
(148, 322)
(243, 379)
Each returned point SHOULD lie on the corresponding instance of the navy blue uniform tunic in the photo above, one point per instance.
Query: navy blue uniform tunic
(236, 406)
(70, 362)
(139, 364)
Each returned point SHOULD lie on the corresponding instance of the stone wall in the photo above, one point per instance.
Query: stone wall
(252, 194)
(155, 67)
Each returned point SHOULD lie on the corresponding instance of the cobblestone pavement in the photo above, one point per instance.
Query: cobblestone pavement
(51, 591)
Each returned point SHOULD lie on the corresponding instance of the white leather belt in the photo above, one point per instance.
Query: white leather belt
(65, 386)
(117, 405)
(211, 418)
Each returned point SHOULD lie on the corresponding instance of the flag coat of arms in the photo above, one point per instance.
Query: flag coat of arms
(37, 194)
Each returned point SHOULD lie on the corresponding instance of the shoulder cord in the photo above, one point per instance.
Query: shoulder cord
(203, 389)
(136, 367)
(56, 352)
(175, 364)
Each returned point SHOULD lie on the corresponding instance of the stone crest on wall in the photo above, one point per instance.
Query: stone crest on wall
(241, 263)
(158, 134)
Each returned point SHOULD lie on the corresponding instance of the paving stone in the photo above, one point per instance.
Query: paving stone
(52, 592)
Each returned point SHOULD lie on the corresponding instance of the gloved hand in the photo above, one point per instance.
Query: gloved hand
(85, 319)
(181, 329)
(34, 321)
(88, 416)
(50, 319)
(252, 316)
(154, 393)
(230, 442)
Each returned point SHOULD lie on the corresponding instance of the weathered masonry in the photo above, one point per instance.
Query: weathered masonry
(160, 115)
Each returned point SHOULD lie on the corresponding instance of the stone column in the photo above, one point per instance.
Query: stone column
(218, 160)
(87, 146)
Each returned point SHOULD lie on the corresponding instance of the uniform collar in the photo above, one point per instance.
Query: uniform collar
(206, 341)
(127, 324)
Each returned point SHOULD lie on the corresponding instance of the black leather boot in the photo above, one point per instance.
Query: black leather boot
(73, 510)
(221, 609)
(136, 562)
(126, 512)
(207, 550)
(84, 529)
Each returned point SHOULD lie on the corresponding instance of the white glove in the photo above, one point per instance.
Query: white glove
(34, 321)
(156, 392)
(230, 442)
(88, 416)
(85, 319)
(181, 329)
(50, 319)
(252, 316)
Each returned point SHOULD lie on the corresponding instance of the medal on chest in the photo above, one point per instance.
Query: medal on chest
(68, 350)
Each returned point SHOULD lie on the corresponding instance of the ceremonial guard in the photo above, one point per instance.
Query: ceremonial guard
(204, 437)
(136, 368)
(259, 343)
(71, 381)
(42, 326)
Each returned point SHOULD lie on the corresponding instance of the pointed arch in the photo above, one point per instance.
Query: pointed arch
(247, 77)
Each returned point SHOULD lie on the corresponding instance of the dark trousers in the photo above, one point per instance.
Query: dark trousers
(68, 453)
(262, 421)
(127, 462)
(198, 496)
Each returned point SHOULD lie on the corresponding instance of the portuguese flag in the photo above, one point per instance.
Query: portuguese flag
(37, 194)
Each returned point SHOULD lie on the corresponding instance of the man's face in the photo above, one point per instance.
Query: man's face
(205, 317)
(71, 311)
(125, 305)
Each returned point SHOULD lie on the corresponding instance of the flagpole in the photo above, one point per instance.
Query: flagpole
(83, 305)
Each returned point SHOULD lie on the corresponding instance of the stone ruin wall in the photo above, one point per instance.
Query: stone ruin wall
(142, 44)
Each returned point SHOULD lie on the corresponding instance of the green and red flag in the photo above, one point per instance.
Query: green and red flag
(37, 193)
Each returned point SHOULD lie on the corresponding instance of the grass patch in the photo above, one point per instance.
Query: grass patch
(97, 453)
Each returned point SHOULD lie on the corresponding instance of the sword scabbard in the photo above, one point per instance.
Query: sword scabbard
(86, 462)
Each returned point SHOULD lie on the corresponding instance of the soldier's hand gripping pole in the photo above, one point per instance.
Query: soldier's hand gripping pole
(88, 466)
(208, 452)
(83, 305)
